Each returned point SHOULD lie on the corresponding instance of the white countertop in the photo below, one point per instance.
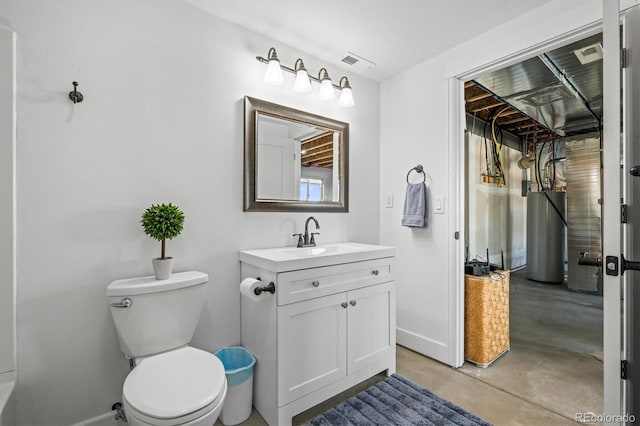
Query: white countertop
(282, 259)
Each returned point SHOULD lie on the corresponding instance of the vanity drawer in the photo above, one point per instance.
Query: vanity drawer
(305, 284)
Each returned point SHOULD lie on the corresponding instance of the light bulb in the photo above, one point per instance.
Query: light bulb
(273, 74)
(302, 84)
(326, 90)
(346, 97)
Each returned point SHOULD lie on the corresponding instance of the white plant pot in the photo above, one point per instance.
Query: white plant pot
(162, 267)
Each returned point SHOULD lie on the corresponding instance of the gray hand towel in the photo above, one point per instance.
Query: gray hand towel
(415, 206)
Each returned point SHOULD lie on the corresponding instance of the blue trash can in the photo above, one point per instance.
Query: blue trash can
(238, 367)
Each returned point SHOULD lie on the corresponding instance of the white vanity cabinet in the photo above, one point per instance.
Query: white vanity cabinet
(328, 327)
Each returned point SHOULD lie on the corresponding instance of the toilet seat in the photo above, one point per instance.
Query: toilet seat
(175, 387)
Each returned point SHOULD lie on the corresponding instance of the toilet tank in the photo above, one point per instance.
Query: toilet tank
(163, 314)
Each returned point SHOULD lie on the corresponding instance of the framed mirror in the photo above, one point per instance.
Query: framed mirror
(294, 160)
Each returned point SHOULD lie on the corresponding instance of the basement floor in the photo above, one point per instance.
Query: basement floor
(552, 372)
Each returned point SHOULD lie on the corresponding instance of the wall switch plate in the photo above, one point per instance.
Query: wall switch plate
(388, 200)
(438, 207)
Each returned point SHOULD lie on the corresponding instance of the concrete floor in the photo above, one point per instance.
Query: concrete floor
(552, 372)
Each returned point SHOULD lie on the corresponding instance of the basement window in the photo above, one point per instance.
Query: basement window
(311, 189)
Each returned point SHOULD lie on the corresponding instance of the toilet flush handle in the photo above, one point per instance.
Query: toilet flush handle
(125, 303)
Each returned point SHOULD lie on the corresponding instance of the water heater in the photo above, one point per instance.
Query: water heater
(545, 236)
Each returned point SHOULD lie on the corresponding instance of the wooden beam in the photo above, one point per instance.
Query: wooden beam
(327, 134)
(318, 143)
(475, 93)
(512, 120)
(324, 164)
(318, 157)
(484, 104)
(313, 154)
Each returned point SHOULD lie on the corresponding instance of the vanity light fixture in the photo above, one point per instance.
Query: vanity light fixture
(346, 96)
(326, 87)
(302, 84)
(273, 74)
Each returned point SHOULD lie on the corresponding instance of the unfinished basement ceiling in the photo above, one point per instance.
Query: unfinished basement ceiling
(554, 93)
(317, 151)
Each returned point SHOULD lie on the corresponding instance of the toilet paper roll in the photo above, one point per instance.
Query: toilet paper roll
(247, 287)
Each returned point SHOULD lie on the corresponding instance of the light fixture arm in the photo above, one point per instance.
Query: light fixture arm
(272, 55)
(325, 76)
(299, 65)
(346, 83)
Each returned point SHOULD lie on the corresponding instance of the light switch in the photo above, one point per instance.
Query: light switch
(388, 200)
(438, 206)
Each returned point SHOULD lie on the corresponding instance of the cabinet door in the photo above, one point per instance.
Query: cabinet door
(371, 325)
(312, 345)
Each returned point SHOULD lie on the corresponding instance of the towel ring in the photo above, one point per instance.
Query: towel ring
(418, 169)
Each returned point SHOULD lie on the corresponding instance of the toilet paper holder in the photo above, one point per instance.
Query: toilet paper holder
(269, 288)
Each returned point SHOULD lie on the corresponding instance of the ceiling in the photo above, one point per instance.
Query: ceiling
(553, 94)
(393, 34)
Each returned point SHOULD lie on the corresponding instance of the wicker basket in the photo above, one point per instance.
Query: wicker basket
(486, 317)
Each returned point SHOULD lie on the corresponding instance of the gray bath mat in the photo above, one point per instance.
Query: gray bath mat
(396, 401)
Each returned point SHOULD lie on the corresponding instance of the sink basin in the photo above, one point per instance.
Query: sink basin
(327, 249)
(281, 259)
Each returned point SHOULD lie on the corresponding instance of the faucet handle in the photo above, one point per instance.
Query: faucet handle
(300, 241)
(313, 238)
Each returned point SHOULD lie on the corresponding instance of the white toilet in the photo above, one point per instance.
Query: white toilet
(172, 383)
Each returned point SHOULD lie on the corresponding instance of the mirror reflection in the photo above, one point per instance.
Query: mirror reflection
(294, 160)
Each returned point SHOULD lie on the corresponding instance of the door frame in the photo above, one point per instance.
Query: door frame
(457, 125)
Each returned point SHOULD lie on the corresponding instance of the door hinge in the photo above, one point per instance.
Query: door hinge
(456, 235)
(624, 213)
(624, 57)
(623, 369)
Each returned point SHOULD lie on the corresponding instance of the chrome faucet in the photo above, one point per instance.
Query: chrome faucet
(305, 240)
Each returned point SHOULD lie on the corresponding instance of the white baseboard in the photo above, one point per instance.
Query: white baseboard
(106, 419)
(7, 403)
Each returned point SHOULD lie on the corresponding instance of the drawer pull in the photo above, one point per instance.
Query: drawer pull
(352, 302)
(344, 305)
(375, 272)
(315, 283)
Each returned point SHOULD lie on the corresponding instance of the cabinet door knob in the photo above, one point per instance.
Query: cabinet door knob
(344, 305)
(375, 272)
(315, 283)
(352, 302)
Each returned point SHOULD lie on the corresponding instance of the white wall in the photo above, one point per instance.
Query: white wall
(415, 117)
(161, 122)
(7, 182)
(496, 214)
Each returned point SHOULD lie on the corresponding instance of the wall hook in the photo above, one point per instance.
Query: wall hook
(74, 95)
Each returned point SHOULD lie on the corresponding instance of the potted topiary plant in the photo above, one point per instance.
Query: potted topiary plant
(162, 222)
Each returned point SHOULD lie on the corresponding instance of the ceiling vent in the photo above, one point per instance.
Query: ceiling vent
(589, 54)
(358, 62)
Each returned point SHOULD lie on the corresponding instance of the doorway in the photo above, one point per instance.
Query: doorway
(532, 196)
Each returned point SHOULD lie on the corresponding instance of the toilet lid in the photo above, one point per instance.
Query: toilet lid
(175, 383)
